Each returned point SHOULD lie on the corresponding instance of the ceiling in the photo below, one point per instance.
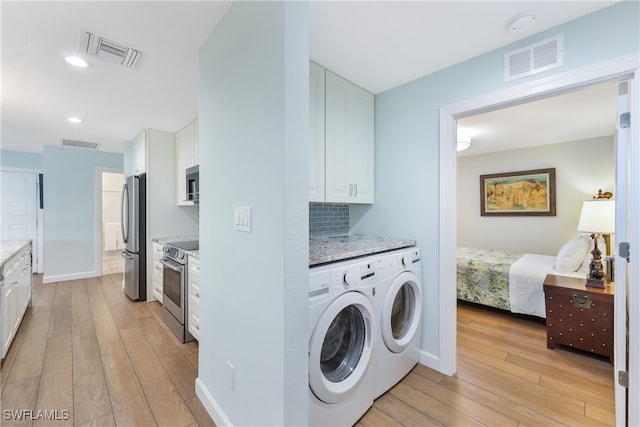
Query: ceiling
(377, 45)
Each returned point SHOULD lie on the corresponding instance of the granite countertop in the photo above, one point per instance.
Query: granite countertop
(165, 240)
(195, 254)
(324, 250)
(10, 248)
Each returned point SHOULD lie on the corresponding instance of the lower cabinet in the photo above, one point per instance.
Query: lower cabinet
(193, 306)
(15, 295)
(158, 251)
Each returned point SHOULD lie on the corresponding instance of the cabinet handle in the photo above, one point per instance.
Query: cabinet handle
(355, 193)
(350, 190)
(581, 300)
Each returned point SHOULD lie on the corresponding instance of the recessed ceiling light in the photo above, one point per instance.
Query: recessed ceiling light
(76, 61)
(75, 119)
(463, 142)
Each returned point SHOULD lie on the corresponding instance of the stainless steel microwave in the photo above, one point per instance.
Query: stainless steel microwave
(193, 183)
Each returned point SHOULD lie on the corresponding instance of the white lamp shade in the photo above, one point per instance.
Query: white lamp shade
(598, 216)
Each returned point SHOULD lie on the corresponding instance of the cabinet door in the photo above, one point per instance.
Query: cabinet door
(185, 149)
(349, 142)
(316, 133)
(140, 153)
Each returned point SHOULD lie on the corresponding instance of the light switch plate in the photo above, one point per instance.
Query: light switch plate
(242, 218)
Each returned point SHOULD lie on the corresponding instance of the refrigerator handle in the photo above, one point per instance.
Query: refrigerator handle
(126, 255)
(124, 201)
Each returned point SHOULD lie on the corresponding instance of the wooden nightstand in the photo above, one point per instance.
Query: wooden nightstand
(578, 316)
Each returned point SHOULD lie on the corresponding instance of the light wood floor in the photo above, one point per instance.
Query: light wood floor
(89, 353)
(506, 377)
(85, 348)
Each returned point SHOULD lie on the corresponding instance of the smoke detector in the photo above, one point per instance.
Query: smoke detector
(106, 49)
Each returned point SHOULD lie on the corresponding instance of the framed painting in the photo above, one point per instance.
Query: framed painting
(524, 193)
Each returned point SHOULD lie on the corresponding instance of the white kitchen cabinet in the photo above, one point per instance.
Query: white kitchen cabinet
(157, 275)
(349, 144)
(140, 153)
(186, 156)
(316, 133)
(341, 144)
(193, 305)
(15, 295)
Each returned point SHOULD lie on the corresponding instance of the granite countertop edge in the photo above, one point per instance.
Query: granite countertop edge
(10, 248)
(324, 250)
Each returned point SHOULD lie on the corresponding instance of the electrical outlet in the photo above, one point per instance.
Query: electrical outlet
(231, 375)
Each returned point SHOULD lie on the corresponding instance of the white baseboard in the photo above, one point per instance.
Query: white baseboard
(215, 411)
(64, 277)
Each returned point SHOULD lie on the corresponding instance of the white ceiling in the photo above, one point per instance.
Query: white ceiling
(377, 45)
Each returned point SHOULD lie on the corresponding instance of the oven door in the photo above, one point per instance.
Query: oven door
(173, 288)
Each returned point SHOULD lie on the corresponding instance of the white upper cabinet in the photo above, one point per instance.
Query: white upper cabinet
(349, 142)
(341, 151)
(316, 133)
(186, 156)
(140, 153)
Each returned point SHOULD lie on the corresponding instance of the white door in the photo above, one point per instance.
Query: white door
(19, 206)
(627, 274)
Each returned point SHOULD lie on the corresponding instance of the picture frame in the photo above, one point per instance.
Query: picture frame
(522, 193)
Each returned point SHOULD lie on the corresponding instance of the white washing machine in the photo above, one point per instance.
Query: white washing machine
(342, 335)
(399, 314)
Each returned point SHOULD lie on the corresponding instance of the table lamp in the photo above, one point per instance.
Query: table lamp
(597, 218)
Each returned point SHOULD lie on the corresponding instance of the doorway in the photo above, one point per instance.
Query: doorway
(112, 244)
(623, 68)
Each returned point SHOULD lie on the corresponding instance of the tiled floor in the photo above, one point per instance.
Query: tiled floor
(112, 263)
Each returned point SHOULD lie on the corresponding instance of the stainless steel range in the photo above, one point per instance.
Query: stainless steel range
(174, 283)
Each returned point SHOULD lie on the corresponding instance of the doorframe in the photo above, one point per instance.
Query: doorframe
(625, 67)
(98, 216)
(38, 245)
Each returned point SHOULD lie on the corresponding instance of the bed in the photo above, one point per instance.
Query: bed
(512, 281)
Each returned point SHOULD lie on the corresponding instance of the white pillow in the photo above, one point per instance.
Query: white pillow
(572, 254)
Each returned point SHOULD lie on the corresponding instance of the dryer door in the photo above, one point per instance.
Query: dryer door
(401, 312)
(340, 347)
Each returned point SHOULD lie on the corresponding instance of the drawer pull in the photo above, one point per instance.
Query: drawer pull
(582, 300)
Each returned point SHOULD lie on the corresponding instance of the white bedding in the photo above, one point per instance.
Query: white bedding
(526, 276)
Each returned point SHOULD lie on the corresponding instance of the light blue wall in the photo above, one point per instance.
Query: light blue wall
(407, 135)
(253, 110)
(21, 160)
(70, 217)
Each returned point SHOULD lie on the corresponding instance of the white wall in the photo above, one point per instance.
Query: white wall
(582, 167)
(253, 110)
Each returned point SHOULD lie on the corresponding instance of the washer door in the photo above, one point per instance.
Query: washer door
(340, 347)
(401, 312)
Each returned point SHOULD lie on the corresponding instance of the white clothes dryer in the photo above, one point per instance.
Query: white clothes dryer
(342, 335)
(399, 313)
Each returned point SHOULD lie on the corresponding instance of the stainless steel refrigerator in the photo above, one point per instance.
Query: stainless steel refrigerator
(133, 215)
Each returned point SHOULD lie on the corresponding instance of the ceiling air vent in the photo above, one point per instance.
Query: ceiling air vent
(533, 59)
(80, 144)
(109, 50)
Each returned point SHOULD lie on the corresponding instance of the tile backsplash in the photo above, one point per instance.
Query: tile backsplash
(328, 220)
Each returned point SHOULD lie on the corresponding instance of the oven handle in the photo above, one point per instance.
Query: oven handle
(172, 265)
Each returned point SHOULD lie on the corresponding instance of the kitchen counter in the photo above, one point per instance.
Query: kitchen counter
(323, 250)
(165, 240)
(195, 254)
(10, 248)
